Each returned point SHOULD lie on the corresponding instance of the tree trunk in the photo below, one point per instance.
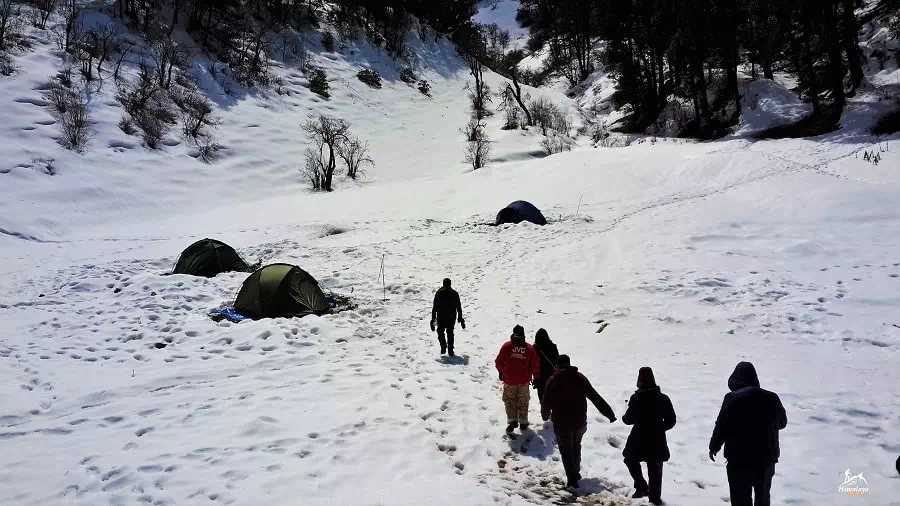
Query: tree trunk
(850, 28)
(518, 95)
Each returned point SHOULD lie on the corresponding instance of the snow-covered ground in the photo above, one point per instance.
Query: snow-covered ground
(785, 253)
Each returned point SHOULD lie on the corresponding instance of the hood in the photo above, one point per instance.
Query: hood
(542, 339)
(744, 376)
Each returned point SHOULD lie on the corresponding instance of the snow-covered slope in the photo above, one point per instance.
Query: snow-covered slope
(698, 255)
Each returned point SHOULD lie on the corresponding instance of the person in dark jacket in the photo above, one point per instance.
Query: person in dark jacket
(445, 312)
(651, 413)
(565, 403)
(547, 353)
(748, 426)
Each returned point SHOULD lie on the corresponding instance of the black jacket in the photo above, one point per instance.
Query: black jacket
(651, 413)
(566, 399)
(547, 353)
(749, 421)
(446, 306)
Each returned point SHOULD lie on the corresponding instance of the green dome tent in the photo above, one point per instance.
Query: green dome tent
(280, 290)
(209, 257)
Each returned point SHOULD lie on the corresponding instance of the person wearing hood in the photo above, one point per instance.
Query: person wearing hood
(548, 353)
(565, 403)
(445, 312)
(748, 426)
(650, 412)
(517, 364)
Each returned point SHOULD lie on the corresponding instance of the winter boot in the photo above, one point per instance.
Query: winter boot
(450, 352)
(639, 493)
(511, 427)
(655, 501)
(523, 427)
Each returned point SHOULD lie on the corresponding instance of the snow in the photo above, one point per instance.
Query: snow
(699, 255)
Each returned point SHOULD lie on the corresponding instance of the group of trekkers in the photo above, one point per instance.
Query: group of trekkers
(747, 425)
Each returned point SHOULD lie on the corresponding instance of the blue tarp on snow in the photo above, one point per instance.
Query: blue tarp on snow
(230, 314)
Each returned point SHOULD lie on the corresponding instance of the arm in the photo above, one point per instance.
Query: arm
(668, 413)
(780, 413)
(721, 429)
(598, 401)
(535, 362)
(500, 361)
(547, 401)
(459, 309)
(434, 307)
(628, 417)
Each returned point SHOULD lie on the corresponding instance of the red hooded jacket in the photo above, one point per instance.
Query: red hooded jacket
(518, 363)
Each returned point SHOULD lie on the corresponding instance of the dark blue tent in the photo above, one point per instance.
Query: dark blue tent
(520, 211)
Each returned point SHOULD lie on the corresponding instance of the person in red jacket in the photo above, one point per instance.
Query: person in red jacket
(517, 364)
(565, 398)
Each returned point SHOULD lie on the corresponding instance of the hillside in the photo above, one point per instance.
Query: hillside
(119, 389)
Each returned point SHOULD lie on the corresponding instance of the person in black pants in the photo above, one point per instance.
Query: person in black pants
(651, 413)
(748, 426)
(547, 353)
(445, 312)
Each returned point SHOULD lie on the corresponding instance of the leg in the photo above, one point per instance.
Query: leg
(564, 439)
(739, 485)
(509, 402)
(654, 473)
(440, 333)
(450, 339)
(576, 446)
(762, 484)
(540, 390)
(637, 474)
(522, 397)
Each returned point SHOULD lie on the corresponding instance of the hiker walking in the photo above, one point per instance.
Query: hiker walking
(650, 412)
(565, 402)
(517, 364)
(748, 426)
(445, 312)
(547, 353)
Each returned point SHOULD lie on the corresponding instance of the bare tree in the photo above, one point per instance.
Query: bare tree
(43, 9)
(125, 47)
(327, 134)
(480, 97)
(168, 55)
(71, 12)
(9, 22)
(479, 149)
(196, 114)
(355, 155)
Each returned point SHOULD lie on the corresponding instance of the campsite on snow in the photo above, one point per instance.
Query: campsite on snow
(449, 252)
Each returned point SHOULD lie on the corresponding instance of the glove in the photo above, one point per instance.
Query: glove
(432, 325)
(613, 419)
(501, 376)
(545, 418)
(462, 323)
(712, 456)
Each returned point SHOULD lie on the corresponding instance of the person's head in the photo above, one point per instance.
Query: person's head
(563, 362)
(518, 333)
(541, 337)
(645, 378)
(744, 376)
(446, 282)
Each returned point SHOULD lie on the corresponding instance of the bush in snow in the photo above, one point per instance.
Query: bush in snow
(370, 77)
(7, 66)
(196, 113)
(73, 120)
(41, 12)
(318, 82)
(479, 98)
(408, 76)
(425, 88)
(510, 108)
(328, 41)
(59, 96)
(148, 105)
(127, 126)
(548, 116)
(554, 143)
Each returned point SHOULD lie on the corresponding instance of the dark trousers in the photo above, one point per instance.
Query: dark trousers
(743, 479)
(448, 328)
(541, 386)
(569, 442)
(654, 473)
